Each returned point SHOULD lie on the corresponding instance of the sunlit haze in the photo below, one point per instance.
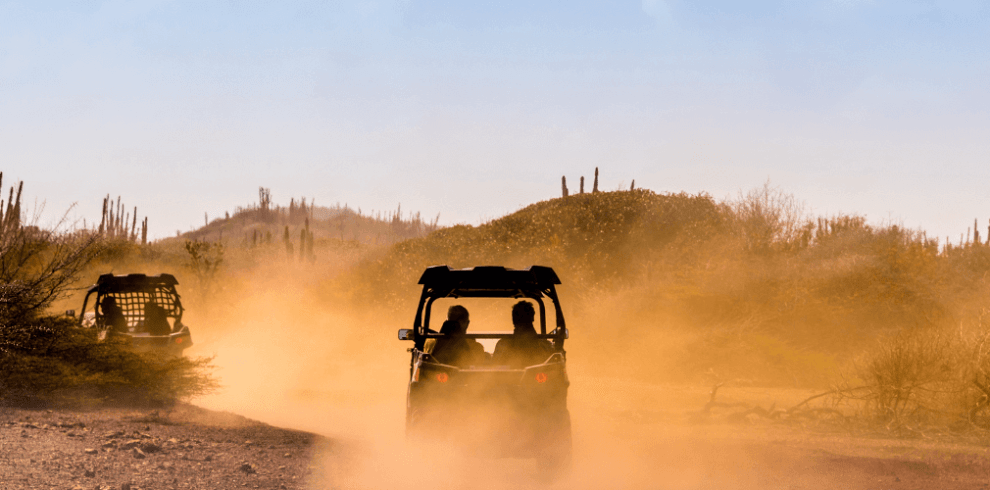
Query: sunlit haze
(471, 110)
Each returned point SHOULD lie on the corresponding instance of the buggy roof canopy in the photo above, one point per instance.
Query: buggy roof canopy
(487, 281)
(109, 283)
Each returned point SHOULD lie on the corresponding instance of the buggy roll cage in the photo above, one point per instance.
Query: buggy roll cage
(134, 290)
(534, 282)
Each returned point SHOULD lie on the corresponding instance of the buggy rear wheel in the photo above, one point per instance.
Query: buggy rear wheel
(418, 421)
(554, 458)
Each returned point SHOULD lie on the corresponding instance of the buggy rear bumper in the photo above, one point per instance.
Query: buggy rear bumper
(176, 341)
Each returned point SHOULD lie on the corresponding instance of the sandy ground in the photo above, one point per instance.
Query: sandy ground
(183, 448)
(358, 444)
(661, 444)
(627, 434)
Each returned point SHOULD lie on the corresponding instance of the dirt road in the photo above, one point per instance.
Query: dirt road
(626, 435)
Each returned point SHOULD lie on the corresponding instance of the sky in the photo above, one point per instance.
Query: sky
(472, 110)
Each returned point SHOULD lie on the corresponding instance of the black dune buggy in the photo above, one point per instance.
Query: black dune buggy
(491, 410)
(143, 310)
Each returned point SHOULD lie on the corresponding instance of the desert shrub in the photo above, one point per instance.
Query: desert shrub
(37, 267)
(49, 361)
(926, 376)
(45, 359)
(768, 219)
(205, 260)
(910, 375)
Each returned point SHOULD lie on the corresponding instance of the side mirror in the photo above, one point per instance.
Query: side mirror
(71, 313)
(567, 334)
(405, 334)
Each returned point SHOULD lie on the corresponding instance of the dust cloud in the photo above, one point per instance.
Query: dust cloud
(290, 358)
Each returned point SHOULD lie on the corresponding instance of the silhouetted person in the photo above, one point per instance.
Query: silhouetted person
(113, 316)
(155, 321)
(455, 348)
(524, 348)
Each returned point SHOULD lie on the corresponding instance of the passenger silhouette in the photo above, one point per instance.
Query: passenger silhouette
(524, 348)
(113, 316)
(155, 321)
(454, 348)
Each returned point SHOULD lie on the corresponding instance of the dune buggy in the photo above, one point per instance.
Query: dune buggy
(491, 410)
(143, 310)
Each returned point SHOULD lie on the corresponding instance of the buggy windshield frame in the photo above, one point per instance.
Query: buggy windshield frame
(535, 283)
(132, 292)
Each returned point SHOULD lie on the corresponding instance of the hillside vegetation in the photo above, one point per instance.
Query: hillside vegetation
(265, 223)
(749, 288)
(658, 287)
(45, 359)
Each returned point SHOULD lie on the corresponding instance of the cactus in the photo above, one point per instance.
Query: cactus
(563, 185)
(594, 189)
(10, 220)
(309, 247)
(302, 244)
(289, 249)
(133, 235)
(117, 223)
(103, 220)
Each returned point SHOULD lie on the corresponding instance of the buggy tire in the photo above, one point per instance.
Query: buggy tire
(554, 458)
(417, 422)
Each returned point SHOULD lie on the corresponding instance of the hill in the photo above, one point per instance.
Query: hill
(745, 288)
(265, 222)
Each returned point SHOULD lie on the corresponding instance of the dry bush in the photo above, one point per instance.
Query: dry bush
(204, 261)
(909, 376)
(45, 359)
(930, 376)
(976, 371)
(768, 219)
(49, 361)
(38, 266)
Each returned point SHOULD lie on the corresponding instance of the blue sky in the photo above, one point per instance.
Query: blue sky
(474, 109)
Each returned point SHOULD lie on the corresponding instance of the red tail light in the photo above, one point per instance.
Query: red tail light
(178, 340)
(541, 377)
(442, 377)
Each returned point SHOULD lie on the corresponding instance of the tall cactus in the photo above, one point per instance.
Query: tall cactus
(10, 216)
(133, 234)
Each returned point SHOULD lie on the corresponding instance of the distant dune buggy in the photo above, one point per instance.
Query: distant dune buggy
(491, 410)
(143, 310)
